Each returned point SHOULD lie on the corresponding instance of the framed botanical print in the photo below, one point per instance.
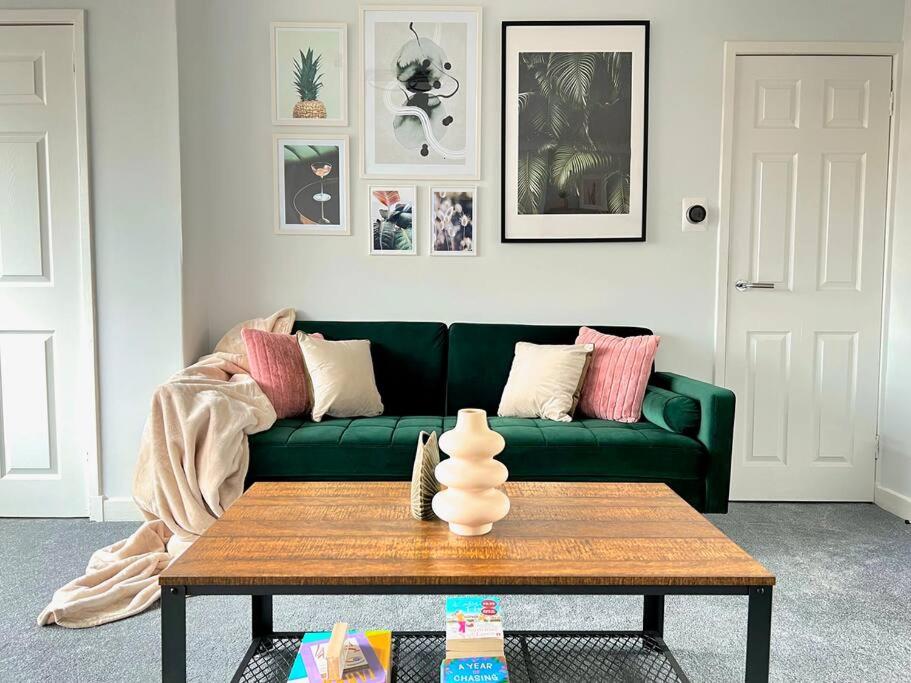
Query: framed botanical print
(311, 181)
(391, 217)
(453, 221)
(420, 92)
(574, 125)
(309, 74)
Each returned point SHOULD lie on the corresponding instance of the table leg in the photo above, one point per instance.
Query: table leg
(262, 615)
(759, 634)
(173, 634)
(653, 614)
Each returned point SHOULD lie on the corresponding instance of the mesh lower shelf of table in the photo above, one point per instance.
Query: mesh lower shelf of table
(532, 657)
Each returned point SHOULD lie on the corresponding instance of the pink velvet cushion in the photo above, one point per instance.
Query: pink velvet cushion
(277, 366)
(618, 375)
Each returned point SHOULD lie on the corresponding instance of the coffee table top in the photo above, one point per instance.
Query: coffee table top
(556, 534)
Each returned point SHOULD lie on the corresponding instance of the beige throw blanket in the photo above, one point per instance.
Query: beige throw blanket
(192, 462)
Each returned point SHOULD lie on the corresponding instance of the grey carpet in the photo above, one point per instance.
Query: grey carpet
(842, 609)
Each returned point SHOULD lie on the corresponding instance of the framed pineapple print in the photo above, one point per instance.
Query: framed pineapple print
(311, 185)
(574, 118)
(419, 93)
(309, 74)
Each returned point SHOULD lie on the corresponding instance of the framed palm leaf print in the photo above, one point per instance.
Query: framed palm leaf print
(574, 124)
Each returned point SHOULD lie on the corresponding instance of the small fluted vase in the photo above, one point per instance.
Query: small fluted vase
(471, 503)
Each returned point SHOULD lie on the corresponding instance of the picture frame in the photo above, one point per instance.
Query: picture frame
(391, 213)
(295, 68)
(406, 133)
(305, 171)
(452, 221)
(574, 129)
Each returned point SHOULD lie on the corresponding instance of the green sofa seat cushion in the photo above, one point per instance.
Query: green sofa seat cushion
(384, 448)
(675, 412)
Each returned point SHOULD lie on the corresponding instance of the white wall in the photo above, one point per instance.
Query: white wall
(135, 187)
(666, 283)
(894, 467)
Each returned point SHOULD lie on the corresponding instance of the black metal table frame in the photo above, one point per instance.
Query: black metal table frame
(174, 624)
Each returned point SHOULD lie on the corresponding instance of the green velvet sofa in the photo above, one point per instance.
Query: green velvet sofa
(427, 371)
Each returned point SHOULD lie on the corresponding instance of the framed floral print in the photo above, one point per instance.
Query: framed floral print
(453, 221)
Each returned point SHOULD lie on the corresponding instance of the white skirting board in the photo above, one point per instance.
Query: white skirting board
(116, 509)
(893, 501)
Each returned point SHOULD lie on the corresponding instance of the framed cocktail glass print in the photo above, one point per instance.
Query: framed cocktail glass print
(311, 180)
(309, 74)
(420, 92)
(574, 123)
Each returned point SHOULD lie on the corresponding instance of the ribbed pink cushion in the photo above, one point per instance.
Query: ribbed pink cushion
(618, 375)
(277, 366)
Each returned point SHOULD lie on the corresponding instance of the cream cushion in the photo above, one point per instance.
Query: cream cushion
(545, 381)
(342, 376)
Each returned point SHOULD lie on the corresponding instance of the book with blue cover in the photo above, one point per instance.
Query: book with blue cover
(474, 670)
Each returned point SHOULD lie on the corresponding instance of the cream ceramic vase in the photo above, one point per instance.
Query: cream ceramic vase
(472, 502)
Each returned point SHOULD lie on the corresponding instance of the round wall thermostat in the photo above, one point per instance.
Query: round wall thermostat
(696, 214)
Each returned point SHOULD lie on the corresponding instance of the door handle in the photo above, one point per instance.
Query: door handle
(742, 285)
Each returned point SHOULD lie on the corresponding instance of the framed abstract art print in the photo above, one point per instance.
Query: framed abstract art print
(420, 92)
(574, 124)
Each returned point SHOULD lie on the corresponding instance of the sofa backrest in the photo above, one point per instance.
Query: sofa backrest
(409, 361)
(480, 356)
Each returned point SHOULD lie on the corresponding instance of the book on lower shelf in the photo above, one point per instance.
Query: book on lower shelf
(368, 658)
(474, 670)
(474, 641)
(474, 626)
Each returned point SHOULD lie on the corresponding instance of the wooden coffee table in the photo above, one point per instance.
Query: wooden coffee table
(346, 538)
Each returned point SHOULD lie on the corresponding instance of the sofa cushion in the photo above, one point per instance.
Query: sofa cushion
(341, 374)
(618, 376)
(480, 356)
(409, 361)
(545, 381)
(675, 412)
(591, 449)
(383, 448)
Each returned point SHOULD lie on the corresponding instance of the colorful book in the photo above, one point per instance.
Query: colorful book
(474, 670)
(474, 626)
(368, 659)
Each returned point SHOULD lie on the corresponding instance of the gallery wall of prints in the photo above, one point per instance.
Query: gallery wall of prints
(418, 92)
(400, 201)
(573, 108)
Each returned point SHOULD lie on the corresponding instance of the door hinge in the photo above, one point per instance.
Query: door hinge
(876, 446)
(891, 103)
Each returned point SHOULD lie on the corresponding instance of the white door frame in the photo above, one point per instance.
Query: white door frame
(732, 49)
(88, 380)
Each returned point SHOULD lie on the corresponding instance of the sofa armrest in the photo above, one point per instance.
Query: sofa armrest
(716, 431)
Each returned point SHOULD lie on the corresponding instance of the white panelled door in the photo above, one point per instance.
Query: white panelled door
(42, 403)
(808, 216)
